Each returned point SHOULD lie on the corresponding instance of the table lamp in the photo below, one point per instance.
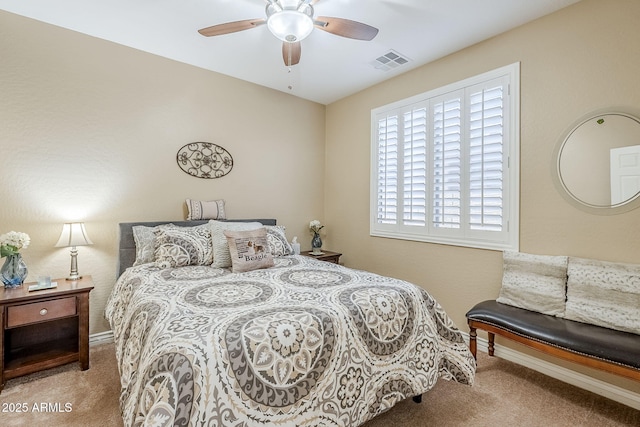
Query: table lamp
(73, 234)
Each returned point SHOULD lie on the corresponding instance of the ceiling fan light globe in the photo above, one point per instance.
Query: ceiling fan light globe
(290, 25)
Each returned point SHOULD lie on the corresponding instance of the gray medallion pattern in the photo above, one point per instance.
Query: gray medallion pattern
(283, 262)
(446, 327)
(278, 355)
(305, 343)
(168, 395)
(391, 392)
(312, 278)
(384, 317)
(194, 272)
(228, 294)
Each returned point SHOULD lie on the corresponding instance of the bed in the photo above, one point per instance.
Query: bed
(300, 343)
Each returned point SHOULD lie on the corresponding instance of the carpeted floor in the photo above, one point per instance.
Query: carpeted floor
(505, 394)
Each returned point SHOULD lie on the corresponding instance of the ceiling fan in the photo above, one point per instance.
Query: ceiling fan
(291, 21)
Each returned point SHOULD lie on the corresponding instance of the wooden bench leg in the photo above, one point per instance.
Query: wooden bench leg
(492, 338)
(473, 344)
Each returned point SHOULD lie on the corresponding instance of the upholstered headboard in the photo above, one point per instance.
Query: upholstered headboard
(127, 245)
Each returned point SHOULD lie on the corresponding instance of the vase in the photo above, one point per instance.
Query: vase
(13, 271)
(316, 243)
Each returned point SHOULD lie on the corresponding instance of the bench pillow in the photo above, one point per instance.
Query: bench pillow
(534, 282)
(604, 293)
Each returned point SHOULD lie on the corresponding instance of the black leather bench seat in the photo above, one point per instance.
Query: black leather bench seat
(594, 341)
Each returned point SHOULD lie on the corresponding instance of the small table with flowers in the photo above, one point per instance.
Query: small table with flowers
(324, 255)
(45, 328)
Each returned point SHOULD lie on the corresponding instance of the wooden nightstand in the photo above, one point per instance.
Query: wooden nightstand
(43, 329)
(328, 256)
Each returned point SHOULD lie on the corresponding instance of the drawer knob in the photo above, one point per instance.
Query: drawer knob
(43, 312)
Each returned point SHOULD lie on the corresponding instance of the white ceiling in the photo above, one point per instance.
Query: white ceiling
(331, 67)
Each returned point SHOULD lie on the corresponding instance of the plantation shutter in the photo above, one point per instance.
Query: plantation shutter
(414, 167)
(387, 170)
(441, 169)
(447, 179)
(486, 138)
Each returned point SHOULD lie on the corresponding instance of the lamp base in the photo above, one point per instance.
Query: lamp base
(73, 274)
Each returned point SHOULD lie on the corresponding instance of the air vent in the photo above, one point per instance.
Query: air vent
(389, 61)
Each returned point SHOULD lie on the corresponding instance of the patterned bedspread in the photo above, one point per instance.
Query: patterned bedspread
(305, 343)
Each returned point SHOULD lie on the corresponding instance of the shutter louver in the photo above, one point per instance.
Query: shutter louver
(414, 198)
(447, 135)
(387, 199)
(486, 129)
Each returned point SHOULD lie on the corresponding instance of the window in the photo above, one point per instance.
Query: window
(445, 164)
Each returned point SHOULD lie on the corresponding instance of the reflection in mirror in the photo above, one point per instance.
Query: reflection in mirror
(599, 161)
(625, 173)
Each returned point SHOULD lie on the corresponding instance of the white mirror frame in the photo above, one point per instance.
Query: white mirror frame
(627, 205)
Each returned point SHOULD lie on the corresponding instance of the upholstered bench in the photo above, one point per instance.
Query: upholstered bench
(613, 351)
(584, 311)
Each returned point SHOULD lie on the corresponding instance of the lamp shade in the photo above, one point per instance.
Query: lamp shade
(73, 234)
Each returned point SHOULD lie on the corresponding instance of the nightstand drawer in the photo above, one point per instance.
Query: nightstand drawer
(40, 311)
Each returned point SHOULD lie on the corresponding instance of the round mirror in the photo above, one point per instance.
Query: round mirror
(598, 163)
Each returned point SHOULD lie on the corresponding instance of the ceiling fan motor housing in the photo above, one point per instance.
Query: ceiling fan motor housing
(290, 20)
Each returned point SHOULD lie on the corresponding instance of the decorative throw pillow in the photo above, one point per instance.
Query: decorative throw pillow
(213, 209)
(145, 239)
(180, 246)
(534, 282)
(277, 241)
(221, 256)
(249, 250)
(604, 293)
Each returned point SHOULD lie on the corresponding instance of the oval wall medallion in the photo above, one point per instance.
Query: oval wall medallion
(204, 160)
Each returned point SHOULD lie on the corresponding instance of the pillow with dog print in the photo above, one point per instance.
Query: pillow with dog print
(249, 250)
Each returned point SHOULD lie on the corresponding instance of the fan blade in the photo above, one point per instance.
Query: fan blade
(346, 28)
(291, 53)
(231, 27)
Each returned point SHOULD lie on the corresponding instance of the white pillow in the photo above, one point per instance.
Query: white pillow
(221, 255)
(213, 209)
(534, 282)
(604, 293)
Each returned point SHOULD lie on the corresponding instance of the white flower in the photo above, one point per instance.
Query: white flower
(315, 226)
(12, 242)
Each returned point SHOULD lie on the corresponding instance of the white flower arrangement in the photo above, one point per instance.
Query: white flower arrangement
(315, 226)
(12, 242)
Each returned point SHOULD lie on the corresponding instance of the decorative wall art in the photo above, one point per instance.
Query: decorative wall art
(204, 160)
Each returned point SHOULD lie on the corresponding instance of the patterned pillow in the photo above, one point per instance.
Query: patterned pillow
(249, 250)
(604, 294)
(534, 282)
(145, 239)
(277, 241)
(221, 256)
(180, 246)
(213, 209)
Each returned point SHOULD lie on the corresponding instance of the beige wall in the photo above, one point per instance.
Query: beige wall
(89, 131)
(580, 59)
